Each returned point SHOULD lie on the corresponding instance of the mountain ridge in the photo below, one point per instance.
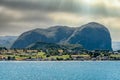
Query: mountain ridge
(65, 34)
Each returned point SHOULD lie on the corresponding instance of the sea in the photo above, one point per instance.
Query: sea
(60, 70)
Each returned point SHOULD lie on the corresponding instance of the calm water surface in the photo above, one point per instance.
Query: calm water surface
(74, 70)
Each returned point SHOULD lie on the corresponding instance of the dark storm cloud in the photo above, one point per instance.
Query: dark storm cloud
(72, 6)
(47, 5)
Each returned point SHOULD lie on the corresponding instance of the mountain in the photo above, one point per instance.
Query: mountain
(116, 46)
(91, 36)
(57, 34)
(7, 41)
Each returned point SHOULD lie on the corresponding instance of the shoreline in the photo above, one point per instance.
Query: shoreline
(57, 61)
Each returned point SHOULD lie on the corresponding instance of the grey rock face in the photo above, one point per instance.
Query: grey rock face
(91, 36)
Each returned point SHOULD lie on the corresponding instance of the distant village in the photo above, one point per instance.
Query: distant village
(57, 55)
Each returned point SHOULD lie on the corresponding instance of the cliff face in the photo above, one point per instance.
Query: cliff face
(91, 36)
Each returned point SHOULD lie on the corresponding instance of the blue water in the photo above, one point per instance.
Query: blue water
(108, 70)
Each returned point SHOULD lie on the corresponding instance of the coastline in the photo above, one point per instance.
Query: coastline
(57, 60)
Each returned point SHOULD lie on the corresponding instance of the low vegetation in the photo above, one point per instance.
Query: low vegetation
(43, 56)
(57, 54)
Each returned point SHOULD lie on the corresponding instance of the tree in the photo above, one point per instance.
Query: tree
(8, 58)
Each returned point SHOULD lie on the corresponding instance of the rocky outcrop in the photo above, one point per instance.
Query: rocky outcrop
(91, 36)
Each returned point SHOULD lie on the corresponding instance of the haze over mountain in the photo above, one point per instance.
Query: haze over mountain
(7, 41)
(91, 36)
(116, 46)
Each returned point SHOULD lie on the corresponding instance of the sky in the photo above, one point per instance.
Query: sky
(18, 16)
